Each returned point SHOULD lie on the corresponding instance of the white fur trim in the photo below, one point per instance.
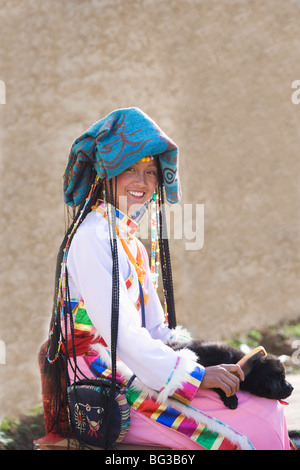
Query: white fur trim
(177, 335)
(103, 353)
(187, 364)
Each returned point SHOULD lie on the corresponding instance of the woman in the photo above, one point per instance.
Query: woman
(120, 165)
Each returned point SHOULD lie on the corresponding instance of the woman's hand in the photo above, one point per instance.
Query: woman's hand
(225, 376)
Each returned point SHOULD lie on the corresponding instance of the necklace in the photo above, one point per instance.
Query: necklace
(137, 262)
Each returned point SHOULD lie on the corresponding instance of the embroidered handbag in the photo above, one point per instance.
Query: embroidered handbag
(88, 401)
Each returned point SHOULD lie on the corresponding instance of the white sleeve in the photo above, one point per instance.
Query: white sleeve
(90, 267)
(155, 318)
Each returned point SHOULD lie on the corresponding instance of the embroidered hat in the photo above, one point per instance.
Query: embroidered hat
(115, 143)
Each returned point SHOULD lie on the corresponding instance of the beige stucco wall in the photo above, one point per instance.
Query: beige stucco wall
(216, 76)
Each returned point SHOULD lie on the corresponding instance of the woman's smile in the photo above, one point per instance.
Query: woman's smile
(136, 194)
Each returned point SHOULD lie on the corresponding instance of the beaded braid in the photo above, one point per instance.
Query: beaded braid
(114, 304)
(165, 259)
(54, 368)
(60, 283)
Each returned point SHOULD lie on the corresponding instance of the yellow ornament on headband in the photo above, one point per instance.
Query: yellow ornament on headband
(147, 159)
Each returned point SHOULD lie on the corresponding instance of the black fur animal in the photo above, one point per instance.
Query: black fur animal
(266, 377)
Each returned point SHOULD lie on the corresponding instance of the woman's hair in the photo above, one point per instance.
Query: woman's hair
(55, 367)
(165, 259)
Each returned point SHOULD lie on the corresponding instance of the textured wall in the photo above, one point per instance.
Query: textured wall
(216, 76)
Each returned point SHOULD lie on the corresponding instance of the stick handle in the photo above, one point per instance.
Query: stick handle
(246, 362)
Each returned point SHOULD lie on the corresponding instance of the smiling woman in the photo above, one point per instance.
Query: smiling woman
(108, 322)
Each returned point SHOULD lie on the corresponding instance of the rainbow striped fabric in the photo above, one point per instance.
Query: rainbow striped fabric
(172, 418)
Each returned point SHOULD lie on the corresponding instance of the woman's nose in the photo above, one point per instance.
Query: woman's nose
(140, 178)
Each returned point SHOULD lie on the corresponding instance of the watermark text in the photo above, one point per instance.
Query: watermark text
(2, 92)
(2, 352)
(296, 353)
(183, 222)
(296, 94)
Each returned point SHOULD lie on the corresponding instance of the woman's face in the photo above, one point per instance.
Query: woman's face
(136, 185)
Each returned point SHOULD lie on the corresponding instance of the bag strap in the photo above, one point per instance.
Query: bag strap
(114, 305)
(142, 305)
(143, 326)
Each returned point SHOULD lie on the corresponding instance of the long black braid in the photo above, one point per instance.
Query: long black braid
(114, 306)
(165, 259)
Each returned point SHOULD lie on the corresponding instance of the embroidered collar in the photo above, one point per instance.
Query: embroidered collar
(124, 223)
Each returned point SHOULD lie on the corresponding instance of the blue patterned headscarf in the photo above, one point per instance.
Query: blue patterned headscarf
(115, 143)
